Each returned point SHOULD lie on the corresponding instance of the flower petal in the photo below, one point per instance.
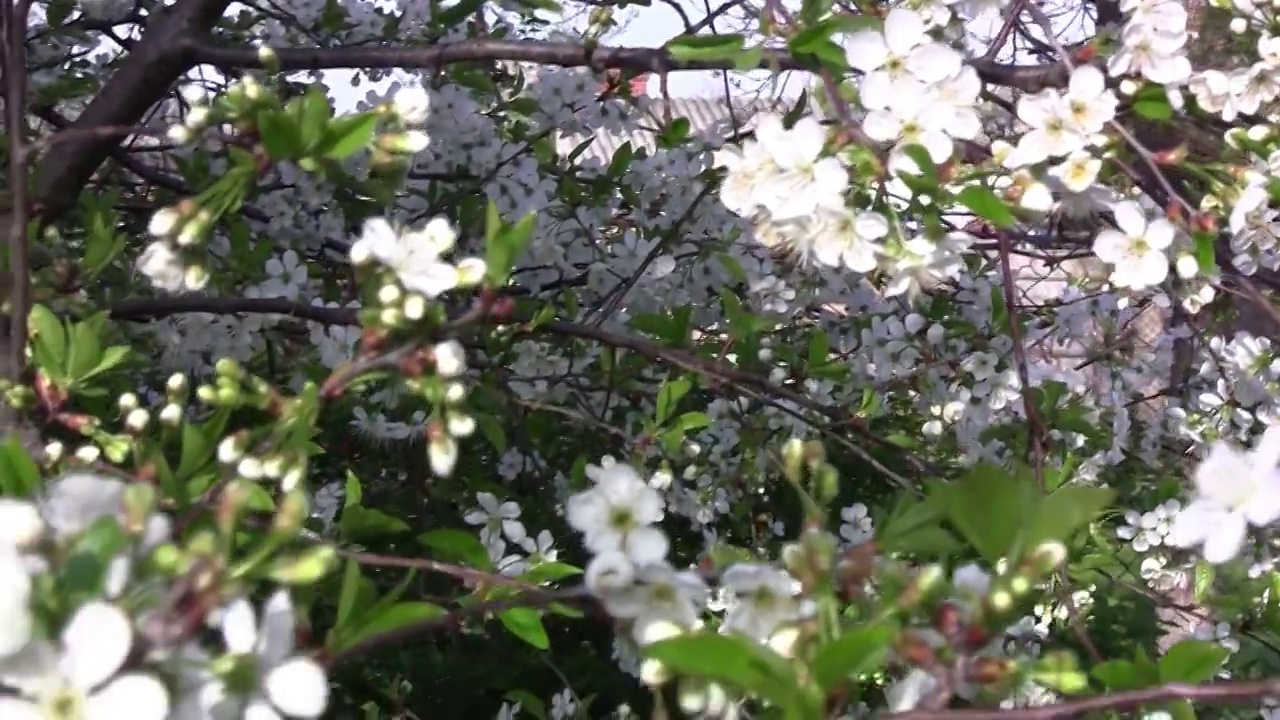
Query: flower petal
(135, 696)
(239, 627)
(95, 644)
(299, 688)
(276, 639)
(12, 708)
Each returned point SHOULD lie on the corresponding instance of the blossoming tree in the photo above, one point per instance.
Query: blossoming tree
(420, 409)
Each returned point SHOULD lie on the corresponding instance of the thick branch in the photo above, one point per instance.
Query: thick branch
(157, 308)
(1227, 692)
(1029, 78)
(156, 62)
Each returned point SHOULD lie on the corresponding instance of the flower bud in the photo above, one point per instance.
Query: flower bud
(250, 468)
(231, 449)
(442, 452)
(450, 359)
(138, 504)
(88, 453)
(137, 420)
(454, 393)
(291, 513)
(128, 402)
(230, 504)
(460, 425)
(164, 222)
(269, 59)
(415, 307)
(171, 415)
(179, 134)
(389, 293)
(195, 278)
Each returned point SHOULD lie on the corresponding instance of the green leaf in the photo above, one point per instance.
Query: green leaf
(669, 396)
(984, 203)
(1204, 576)
(353, 493)
(705, 47)
(1119, 675)
(349, 595)
(528, 703)
(990, 508)
(549, 571)
(305, 568)
(348, 135)
(505, 245)
(693, 420)
(819, 349)
(199, 443)
(1192, 661)
(492, 431)
(1063, 512)
(362, 523)
(19, 474)
(732, 661)
(86, 566)
(928, 170)
(457, 546)
(280, 136)
(393, 618)
(859, 651)
(58, 11)
(1061, 672)
(915, 527)
(526, 624)
(313, 118)
(1153, 109)
(621, 160)
(85, 351)
(49, 342)
(112, 358)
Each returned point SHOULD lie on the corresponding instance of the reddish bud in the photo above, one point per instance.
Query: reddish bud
(78, 422)
(1172, 156)
(371, 341)
(975, 636)
(51, 396)
(147, 474)
(916, 651)
(947, 620)
(1086, 53)
(987, 670)
(415, 364)
(502, 309)
(1204, 222)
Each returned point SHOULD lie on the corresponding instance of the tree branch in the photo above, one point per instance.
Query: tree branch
(155, 63)
(1228, 692)
(1029, 78)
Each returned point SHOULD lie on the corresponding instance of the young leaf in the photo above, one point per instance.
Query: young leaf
(859, 651)
(348, 135)
(705, 47)
(526, 624)
(1192, 661)
(732, 661)
(457, 546)
(984, 203)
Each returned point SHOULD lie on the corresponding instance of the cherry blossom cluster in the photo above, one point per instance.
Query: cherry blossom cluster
(108, 655)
